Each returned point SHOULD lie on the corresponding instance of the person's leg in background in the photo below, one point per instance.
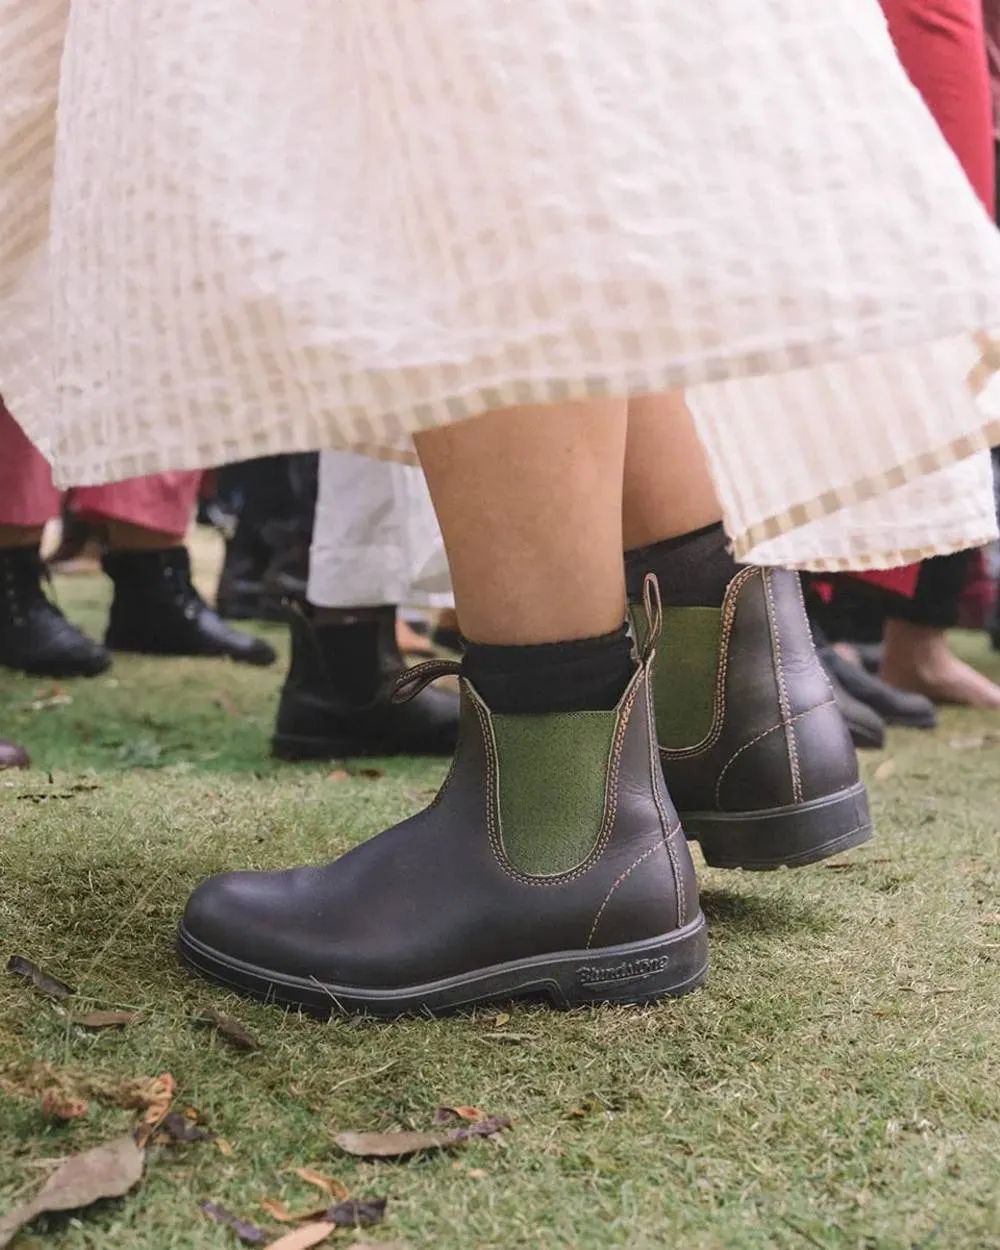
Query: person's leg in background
(917, 655)
(35, 637)
(942, 46)
(376, 545)
(156, 609)
(552, 859)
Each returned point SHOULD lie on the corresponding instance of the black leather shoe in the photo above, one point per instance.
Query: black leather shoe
(35, 637)
(551, 865)
(895, 707)
(335, 705)
(866, 727)
(755, 750)
(157, 611)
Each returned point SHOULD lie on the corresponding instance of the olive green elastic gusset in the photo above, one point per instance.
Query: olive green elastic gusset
(553, 772)
(684, 675)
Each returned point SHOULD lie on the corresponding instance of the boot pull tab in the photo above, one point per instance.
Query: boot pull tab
(409, 684)
(652, 606)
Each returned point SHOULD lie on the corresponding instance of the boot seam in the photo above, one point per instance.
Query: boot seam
(783, 700)
(493, 822)
(757, 738)
(656, 780)
(719, 702)
(621, 879)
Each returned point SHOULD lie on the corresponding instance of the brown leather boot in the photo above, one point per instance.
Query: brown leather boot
(756, 754)
(551, 865)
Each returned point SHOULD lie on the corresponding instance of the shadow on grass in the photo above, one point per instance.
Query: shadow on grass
(731, 914)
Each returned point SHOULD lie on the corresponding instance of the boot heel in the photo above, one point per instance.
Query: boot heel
(636, 972)
(789, 837)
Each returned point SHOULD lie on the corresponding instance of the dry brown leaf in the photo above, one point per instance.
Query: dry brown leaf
(248, 1233)
(400, 1145)
(371, 774)
(224, 1147)
(109, 1019)
(49, 985)
(236, 1034)
(339, 774)
(158, 1096)
(56, 1105)
(107, 1171)
(278, 1211)
(336, 1189)
(502, 1019)
(471, 1115)
(885, 770)
(304, 1237)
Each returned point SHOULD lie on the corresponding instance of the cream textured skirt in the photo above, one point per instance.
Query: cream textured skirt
(232, 228)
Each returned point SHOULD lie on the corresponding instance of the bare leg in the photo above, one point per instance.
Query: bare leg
(668, 490)
(530, 503)
(20, 535)
(919, 658)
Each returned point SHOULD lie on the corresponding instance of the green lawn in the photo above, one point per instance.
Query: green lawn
(837, 1084)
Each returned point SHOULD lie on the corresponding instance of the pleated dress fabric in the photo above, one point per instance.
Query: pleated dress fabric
(233, 229)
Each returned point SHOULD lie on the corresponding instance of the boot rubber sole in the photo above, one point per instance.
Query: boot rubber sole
(634, 972)
(782, 837)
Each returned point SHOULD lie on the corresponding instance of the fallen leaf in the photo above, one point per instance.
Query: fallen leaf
(304, 1237)
(277, 1211)
(477, 1174)
(224, 1147)
(339, 774)
(56, 1105)
(248, 1233)
(229, 1029)
(447, 1115)
(357, 1213)
(174, 1127)
(502, 1019)
(371, 774)
(18, 966)
(990, 918)
(400, 1145)
(885, 770)
(109, 1019)
(159, 1094)
(107, 1171)
(336, 1189)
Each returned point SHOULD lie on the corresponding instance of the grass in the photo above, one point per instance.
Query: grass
(836, 1085)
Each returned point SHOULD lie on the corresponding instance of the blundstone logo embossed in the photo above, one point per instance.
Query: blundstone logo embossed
(630, 970)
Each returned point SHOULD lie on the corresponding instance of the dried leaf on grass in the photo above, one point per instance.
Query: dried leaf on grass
(248, 1233)
(155, 1098)
(278, 1211)
(57, 1105)
(401, 1145)
(339, 774)
(107, 1171)
(174, 1127)
(304, 1237)
(236, 1034)
(885, 770)
(109, 1019)
(448, 1115)
(336, 1189)
(371, 774)
(49, 985)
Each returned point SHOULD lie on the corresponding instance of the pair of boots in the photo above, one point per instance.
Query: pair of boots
(553, 863)
(155, 610)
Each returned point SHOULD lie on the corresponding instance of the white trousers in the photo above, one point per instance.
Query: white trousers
(375, 538)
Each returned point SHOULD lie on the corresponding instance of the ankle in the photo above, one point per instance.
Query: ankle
(584, 675)
(693, 570)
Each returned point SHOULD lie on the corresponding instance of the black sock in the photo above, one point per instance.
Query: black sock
(359, 649)
(693, 570)
(587, 675)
